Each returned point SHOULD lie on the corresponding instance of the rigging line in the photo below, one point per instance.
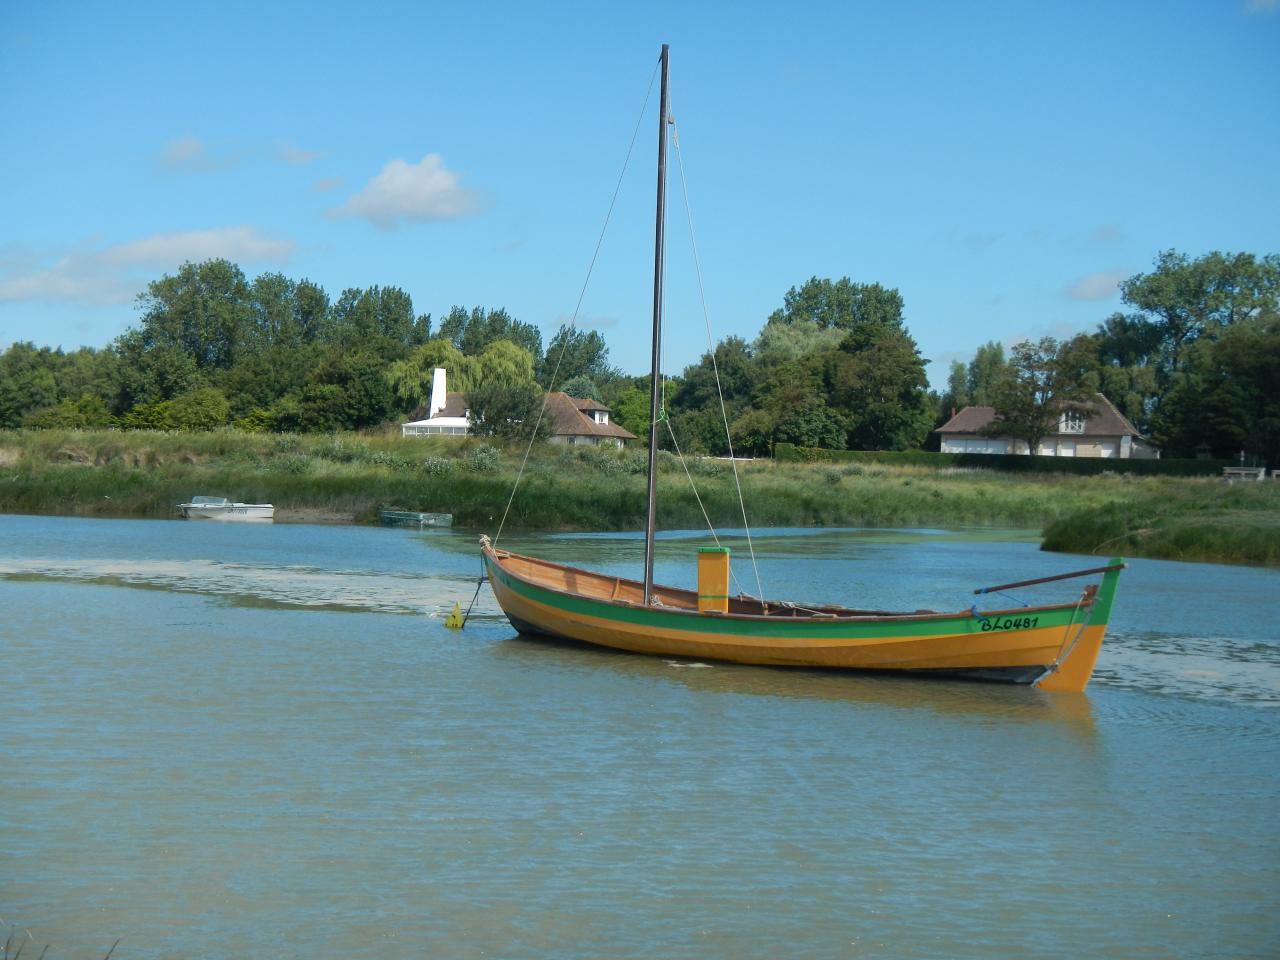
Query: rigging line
(694, 487)
(715, 367)
(573, 320)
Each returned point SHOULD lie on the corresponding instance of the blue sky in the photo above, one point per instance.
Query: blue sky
(1001, 164)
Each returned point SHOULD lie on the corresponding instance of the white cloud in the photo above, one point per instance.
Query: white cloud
(406, 193)
(101, 276)
(1262, 6)
(233, 243)
(1097, 286)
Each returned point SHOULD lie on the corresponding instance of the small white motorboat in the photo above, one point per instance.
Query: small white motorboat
(220, 508)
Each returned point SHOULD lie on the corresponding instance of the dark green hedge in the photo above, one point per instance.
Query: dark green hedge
(1010, 462)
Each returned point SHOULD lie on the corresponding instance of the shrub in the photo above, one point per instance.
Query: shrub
(483, 459)
(437, 466)
(602, 460)
(385, 458)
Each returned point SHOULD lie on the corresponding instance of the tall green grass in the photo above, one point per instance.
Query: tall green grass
(1213, 523)
(142, 474)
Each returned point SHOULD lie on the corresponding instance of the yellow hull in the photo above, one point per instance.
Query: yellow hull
(1055, 647)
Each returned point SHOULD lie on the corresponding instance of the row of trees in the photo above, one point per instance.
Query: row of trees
(1194, 361)
(213, 348)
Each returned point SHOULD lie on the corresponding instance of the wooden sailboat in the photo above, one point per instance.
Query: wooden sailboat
(1053, 646)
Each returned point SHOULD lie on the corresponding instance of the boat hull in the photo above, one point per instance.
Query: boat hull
(1054, 646)
(238, 512)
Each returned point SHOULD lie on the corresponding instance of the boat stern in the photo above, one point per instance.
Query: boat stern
(1074, 668)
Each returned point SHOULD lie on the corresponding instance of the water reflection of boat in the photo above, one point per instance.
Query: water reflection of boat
(893, 691)
(1053, 646)
(220, 508)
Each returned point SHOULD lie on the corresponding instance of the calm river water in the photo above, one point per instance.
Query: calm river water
(260, 741)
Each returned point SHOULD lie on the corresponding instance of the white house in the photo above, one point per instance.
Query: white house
(447, 413)
(1104, 432)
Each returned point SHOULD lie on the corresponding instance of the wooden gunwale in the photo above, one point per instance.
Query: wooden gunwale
(687, 599)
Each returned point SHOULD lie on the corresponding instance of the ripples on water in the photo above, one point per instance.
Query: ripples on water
(270, 586)
(261, 739)
(799, 565)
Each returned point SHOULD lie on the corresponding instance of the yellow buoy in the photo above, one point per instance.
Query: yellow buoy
(454, 620)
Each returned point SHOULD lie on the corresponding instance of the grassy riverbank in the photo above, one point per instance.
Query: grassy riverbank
(350, 477)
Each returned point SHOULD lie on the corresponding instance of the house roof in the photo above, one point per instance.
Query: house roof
(455, 405)
(1104, 420)
(567, 419)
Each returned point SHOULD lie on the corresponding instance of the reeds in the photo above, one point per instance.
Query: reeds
(144, 474)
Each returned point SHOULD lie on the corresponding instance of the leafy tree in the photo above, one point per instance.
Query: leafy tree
(631, 410)
(504, 361)
(738, 376)
(272, 298)
(317, 408)
(778, 343)
(152, 415)
(202, 312)
(311, 313)
(28, 381)
(1225, 398)
(472, 332)
(262, 377)
(881, 390)
(257, 420)
(753, 434)
(1038, 390)
(410, 379)
(379, 319)
(506, 408)
(1186, 299)
(584, 388)
(575, 353)
(987, 370)
(200, 410)
(957, 395)
(804, 419)
(700, 430)
(364, 396)
(152, 372)
(86, 413)
(859, 308)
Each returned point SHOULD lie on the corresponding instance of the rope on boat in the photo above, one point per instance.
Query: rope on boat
(706, 317)
(694, 487)
(1053, 667)
(460, 623)
(573, 319)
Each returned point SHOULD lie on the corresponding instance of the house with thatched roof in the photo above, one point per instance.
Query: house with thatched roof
(576, 421)
(1097, 430)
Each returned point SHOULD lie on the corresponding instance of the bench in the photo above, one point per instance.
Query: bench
(1232, 474)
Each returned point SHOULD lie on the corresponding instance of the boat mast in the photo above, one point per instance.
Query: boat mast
(654, 395)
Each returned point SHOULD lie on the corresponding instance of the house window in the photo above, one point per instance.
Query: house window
(601, 416)
(1072, 422)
